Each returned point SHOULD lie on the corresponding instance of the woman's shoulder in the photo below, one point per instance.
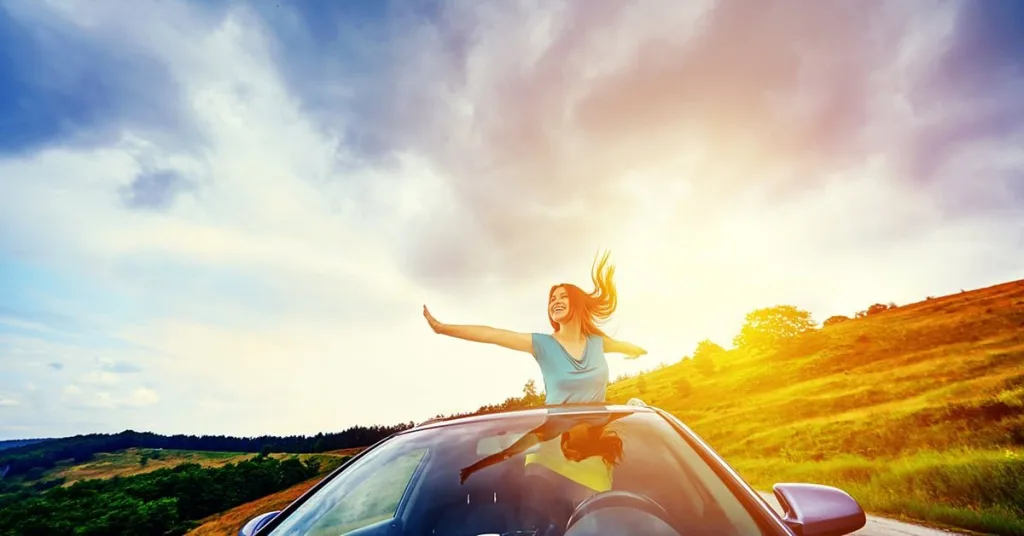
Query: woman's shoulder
(543, 340)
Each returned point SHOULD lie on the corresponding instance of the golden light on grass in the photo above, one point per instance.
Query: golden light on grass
(918, 411)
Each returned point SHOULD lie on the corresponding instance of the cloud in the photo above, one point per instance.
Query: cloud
(6, 401)
(142, 397)
(106, 398)
(542, 118)
(154, 190)
(118, 367)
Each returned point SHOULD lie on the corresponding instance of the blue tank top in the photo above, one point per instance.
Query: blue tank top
(569, 381)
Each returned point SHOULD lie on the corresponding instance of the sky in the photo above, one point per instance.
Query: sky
(226, 217)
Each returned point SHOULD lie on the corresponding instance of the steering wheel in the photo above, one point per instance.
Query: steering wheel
(662, 525)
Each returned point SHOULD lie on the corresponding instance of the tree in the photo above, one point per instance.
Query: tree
(766, 328)
(531, 397)
(837, 319)
(705, 355)
(877, 308)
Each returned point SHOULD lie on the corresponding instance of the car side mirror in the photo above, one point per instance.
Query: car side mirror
(257, 523)
(815, 510)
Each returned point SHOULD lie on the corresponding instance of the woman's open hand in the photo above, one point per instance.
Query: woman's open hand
(634, 352)
(434, 324)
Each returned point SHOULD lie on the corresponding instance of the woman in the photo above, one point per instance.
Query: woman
(572, 357)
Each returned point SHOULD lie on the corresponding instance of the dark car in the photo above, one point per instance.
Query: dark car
(574, 470)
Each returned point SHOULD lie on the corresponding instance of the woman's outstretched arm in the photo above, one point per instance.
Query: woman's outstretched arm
(631, 350)
(486, 334)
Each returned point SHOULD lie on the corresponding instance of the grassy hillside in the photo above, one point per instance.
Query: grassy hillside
(918, 411)
(137, 461)
(231, 521)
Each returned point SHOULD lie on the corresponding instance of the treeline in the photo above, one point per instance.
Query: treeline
(14, 443)
(166, 501)
(45, 455)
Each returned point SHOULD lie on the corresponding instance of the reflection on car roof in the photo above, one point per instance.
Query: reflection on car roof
(563, 409)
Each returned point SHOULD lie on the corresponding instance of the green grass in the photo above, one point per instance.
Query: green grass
(917, 412)
(974, 490)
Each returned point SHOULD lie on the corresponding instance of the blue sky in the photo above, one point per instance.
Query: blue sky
(224, 217)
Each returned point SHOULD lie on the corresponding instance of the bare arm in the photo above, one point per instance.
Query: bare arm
(631, 350)
(486, 334)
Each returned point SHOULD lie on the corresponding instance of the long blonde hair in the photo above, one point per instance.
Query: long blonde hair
(594, 307)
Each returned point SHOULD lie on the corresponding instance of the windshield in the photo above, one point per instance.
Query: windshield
(532, 475)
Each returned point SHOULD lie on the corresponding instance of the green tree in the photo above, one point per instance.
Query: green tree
(532, 397)
(764, 329)
(705, 356)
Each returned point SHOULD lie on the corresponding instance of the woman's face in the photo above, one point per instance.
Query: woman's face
(558, 305)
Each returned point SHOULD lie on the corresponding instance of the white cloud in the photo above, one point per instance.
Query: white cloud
(6, 401)
(143, 396)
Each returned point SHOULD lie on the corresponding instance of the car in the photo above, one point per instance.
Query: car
(567, 470)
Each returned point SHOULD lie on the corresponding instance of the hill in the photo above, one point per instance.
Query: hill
(136, 461)
(32, 460)
(917, 411)
(230, 521)
(164, 501)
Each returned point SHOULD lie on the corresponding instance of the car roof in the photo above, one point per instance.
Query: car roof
(562, 409)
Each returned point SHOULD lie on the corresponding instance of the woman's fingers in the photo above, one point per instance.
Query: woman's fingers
(430, 318)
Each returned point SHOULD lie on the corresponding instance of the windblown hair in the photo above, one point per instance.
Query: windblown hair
(598, 442)
(595, 307)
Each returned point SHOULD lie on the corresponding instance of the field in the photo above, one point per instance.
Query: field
(917, 411)
(230, 521)
(137, 461)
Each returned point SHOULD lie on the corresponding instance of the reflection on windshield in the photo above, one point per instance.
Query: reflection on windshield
(577, 441)
(472, 478)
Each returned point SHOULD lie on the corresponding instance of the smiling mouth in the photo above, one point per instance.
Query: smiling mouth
(557, 309)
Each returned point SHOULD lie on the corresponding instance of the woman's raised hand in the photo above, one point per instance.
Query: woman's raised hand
(434, 324)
